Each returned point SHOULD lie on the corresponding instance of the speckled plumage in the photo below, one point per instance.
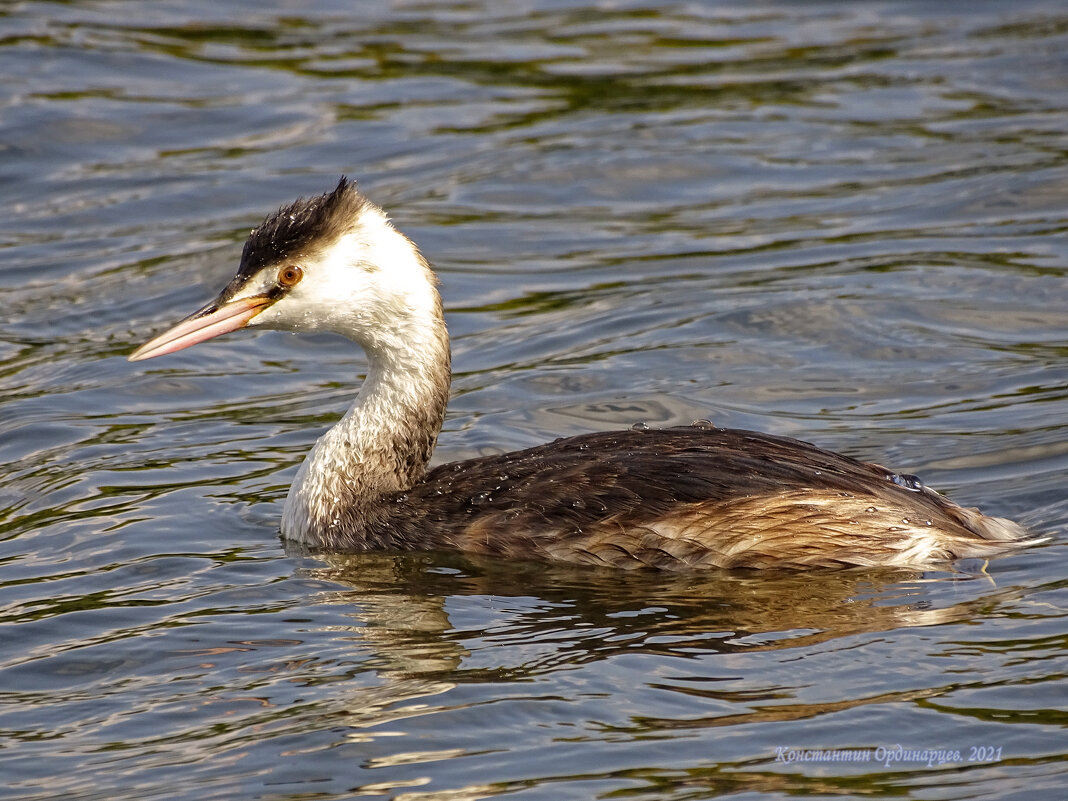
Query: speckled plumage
(676, 499)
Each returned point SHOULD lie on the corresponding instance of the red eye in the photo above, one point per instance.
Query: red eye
(290, 276)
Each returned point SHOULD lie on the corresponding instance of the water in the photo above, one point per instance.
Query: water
(844, 222)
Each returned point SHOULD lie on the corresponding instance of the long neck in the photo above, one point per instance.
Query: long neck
(384, 442)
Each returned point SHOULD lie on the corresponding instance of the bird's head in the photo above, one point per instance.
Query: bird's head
(328, 263)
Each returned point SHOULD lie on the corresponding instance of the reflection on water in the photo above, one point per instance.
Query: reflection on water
(837, 221)
(718, 612)
(530, 625)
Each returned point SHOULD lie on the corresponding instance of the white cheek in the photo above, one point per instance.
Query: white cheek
(277, 316)
(326, 300)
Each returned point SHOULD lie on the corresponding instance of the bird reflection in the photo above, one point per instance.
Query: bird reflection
(400, 601)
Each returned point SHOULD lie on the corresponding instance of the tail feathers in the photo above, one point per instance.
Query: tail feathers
(996, 534)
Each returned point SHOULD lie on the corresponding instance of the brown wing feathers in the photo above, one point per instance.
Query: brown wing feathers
(674, 498)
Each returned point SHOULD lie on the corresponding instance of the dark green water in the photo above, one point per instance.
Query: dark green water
(838, 221)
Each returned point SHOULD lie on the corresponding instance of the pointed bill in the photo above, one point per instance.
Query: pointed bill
(211, 321)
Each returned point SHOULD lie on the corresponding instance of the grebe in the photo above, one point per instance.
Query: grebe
(677, 498)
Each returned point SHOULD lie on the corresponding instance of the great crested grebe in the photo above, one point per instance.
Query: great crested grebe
(677, 498)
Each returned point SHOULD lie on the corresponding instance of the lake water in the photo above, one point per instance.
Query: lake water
(843, 222)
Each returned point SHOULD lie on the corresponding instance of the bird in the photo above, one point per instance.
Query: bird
(680, 498)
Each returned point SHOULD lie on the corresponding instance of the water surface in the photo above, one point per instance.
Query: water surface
(842, 222)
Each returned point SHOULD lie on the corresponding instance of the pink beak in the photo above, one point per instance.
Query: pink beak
(203, 324)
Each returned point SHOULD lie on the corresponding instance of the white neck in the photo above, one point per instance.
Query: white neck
(383, 443)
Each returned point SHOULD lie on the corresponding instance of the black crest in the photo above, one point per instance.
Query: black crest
(301, 228)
